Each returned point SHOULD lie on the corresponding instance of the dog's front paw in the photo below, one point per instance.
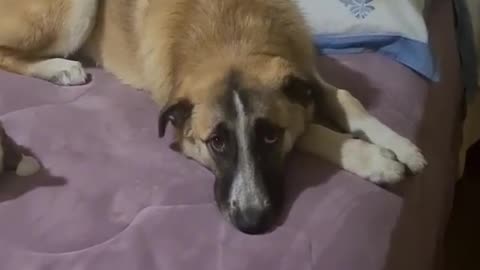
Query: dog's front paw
(380, 166)
(372, 162)
(409, 154)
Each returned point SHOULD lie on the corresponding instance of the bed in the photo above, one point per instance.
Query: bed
(112, 195)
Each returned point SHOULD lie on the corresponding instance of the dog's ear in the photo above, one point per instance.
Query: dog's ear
(176, 113)
(302, 91)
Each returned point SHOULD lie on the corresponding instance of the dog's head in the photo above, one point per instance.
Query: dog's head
(241, 122)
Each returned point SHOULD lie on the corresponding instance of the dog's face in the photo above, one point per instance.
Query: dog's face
(241, 124)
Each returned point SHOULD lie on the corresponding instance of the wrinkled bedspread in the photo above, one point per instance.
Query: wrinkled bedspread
(112, 195)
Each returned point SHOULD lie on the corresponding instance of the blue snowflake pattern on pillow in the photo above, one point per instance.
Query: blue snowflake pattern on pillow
(359, 8)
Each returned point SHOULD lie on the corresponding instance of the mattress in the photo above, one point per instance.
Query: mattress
(112, 195)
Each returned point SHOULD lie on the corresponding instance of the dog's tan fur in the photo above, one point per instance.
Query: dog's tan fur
(133, 37)
(177, 49)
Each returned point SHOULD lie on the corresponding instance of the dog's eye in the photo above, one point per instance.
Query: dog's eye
(217, 143)
(270, 138)
(268, 133)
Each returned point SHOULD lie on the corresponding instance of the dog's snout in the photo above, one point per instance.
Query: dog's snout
(253, 220)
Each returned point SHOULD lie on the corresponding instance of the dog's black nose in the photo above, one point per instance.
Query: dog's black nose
(253, 220)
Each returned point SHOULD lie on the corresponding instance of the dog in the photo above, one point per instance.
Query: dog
(237, 79)
(13, 158)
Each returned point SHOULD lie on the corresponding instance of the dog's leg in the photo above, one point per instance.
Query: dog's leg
(367, 160)
(31, 34)
(350, 115)
(57, 70)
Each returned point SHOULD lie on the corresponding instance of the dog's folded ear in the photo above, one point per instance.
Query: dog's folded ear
(176, 113)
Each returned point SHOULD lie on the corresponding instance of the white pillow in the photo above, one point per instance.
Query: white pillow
(395, 28)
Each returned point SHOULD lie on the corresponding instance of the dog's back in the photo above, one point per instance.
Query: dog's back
(149, 44)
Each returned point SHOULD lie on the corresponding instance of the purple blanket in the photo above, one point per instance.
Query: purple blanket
(112, 195)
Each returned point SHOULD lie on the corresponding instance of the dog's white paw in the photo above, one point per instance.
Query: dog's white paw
(414, 160)
(381, 166)
(372, 162)
(409, 154)
(72, 75)
(60, 71)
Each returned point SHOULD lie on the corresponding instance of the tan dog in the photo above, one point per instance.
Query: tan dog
(237, 78)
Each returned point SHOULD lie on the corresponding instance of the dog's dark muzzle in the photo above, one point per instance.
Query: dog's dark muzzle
(253, 220)
(253, 208)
